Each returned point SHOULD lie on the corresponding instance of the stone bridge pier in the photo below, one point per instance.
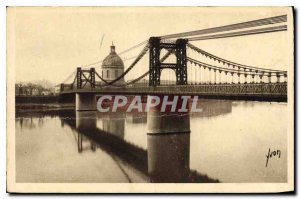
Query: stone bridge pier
(86, 102)
(168, 142)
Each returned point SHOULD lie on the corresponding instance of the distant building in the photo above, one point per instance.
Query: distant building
(17, 89)
(35, 91)
(55, 90)
(46, 93)
(113, 66)
(20, 89)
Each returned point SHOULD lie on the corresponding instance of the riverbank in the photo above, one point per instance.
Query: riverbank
(42, 103)
(25, 107)
(37, 99)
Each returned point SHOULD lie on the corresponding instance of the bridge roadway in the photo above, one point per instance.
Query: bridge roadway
(247, 91)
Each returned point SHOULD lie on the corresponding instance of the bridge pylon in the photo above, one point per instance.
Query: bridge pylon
(79, 77)
(83, 80)
(180, 67)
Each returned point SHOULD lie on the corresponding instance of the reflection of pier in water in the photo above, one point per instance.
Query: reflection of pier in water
(113, 144)
(114, 123)
(116, 146)
(109, 137)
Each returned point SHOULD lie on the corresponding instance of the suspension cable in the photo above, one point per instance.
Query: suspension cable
(122, 52)
(133, 47)
(67, 79)
(240, 33)
(137, 79)
(225, 69)
(145, 74)
(243, 25)
(193, 47)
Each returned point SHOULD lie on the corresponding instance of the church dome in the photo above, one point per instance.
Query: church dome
(113, 67)
(112, 60)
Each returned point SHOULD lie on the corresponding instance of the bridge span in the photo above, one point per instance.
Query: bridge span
(251, 91)
(194, 70)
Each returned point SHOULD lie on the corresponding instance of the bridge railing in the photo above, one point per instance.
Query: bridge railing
(238, 89)
(279, 89)
(255, 89)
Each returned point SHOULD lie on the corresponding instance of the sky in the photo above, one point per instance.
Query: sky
(48, 43)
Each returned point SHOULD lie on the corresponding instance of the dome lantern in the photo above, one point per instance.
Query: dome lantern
(112, 48)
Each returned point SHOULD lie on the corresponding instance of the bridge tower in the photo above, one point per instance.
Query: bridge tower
(85, 80)
(166, 129)
(156, 66)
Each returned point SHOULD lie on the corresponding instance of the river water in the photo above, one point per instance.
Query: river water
(229, 142)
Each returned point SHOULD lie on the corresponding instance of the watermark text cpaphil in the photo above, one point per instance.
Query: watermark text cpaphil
(178, 104)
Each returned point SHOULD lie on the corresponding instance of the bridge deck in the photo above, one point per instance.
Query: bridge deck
(250, 91)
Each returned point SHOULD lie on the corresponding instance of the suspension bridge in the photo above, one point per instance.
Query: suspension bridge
(191, 69)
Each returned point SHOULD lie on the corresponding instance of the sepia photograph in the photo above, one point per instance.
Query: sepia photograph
(150, 99)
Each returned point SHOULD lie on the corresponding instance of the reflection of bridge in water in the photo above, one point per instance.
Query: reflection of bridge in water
(109, 137)
(173, 167)
(114, 144)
